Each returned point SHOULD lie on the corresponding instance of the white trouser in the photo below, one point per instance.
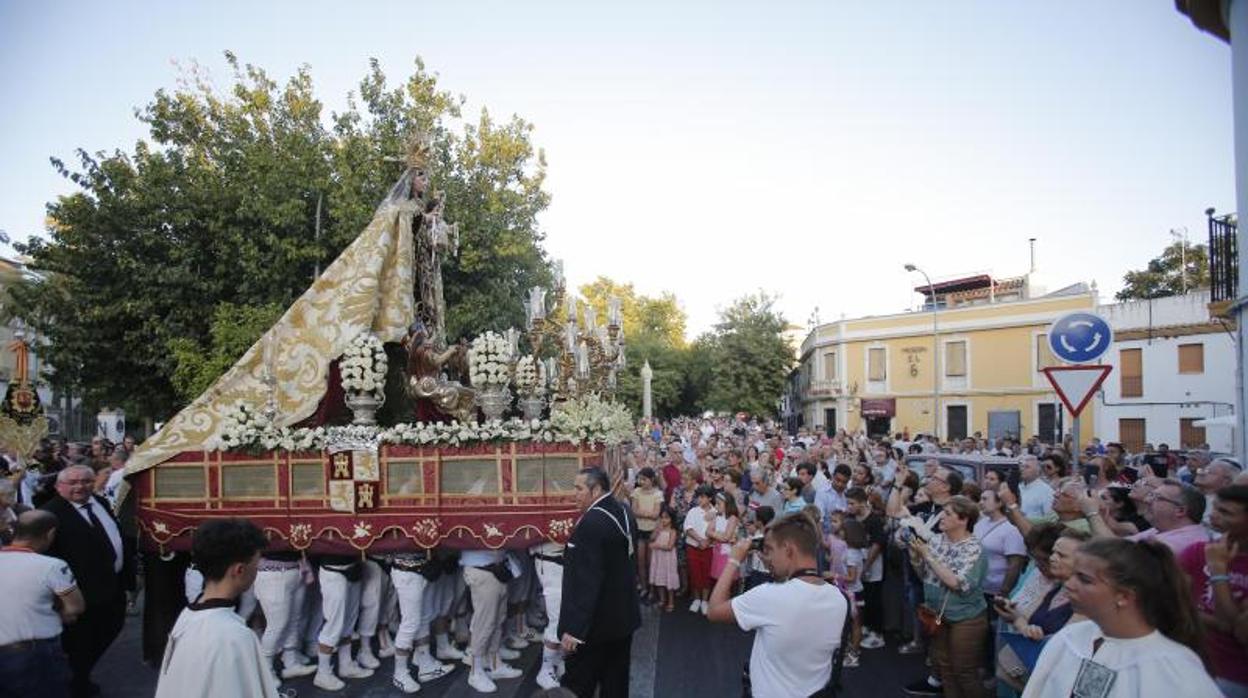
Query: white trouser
(410, 588)
(438, 599)
(193, 581)
(389, 604)
(277, 592)
(551, 577)
(371, 584)
(340, 603)
(489, 610)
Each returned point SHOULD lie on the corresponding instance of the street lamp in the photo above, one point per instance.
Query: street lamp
(931, 290)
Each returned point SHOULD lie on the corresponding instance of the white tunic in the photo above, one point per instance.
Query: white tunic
(1153, 665)
(212, 653)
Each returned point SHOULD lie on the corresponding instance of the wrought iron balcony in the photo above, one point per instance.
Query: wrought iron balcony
(1223, 263)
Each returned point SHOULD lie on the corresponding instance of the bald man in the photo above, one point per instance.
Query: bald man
(89, 539)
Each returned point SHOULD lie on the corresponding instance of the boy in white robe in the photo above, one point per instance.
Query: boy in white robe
(211, 652)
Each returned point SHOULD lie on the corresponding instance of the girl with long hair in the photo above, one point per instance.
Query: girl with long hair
(1142, 636)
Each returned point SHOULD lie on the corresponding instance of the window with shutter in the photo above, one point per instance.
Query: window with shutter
(875, 365)
(955, 359)
(829, 366)
(1132, 363)
(1190, 435)
(1191, 358)
(1131, 434)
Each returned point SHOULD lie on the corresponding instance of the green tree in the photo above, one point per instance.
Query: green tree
(654, 330)
(1164, 275)
(749, 358)
(234, 329)
(235, 202)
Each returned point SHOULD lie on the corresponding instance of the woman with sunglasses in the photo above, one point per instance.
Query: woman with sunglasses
(1142, 636)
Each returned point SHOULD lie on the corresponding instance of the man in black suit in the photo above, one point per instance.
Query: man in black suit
(600, 610)
(90, 540)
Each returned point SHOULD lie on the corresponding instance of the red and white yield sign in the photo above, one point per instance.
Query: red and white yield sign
(1075, 385)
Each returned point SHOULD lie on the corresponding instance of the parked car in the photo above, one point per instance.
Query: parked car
(971, 467)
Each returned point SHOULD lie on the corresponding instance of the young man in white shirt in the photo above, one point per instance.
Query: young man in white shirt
(40, 594)
(799, 619)
(211, 651)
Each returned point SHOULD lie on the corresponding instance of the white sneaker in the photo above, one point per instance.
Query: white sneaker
(301, 658)
(353, 671)
(693, 607)
(448, 650)
(481, 683)
(547, 677)
(385, 651)
(428, 668)
(508, 654)
(502, 670)
(294, 671)
(705, 608)
(405, 683)
(872, 641)
(366, 659)
(327, 682)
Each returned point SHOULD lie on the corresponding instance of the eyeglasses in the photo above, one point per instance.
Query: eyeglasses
(1153, 496)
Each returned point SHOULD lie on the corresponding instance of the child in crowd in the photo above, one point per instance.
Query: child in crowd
(856, 543)
(664, 575)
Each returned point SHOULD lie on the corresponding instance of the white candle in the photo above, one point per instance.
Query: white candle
(582, 360)
(569, 336)
(613, 311)
(537, 303)
(591, 318)
(572, 309)
(557, 273)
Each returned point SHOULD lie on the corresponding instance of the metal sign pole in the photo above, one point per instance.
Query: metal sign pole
(1076, 445)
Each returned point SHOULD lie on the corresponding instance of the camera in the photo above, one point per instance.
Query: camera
(914, 527)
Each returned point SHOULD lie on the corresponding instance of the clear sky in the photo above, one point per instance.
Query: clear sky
(711, 149)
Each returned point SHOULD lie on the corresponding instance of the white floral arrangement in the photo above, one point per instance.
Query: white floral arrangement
(530, 376)
(489, 360)
(592, 419)
(588, 420)
(364, 365)
(245, 428)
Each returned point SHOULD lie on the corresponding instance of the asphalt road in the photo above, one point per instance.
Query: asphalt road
(675, 654)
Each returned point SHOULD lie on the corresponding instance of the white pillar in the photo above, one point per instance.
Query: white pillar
(1237, 22)
(646, 406)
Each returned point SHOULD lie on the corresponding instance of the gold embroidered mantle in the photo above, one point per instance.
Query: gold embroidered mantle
(368, 288)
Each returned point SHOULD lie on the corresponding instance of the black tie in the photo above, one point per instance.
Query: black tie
(97, 529)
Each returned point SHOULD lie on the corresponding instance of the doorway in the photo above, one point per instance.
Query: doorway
(829, 421)
(955, 422)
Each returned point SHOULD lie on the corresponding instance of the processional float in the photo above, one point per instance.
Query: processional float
(464, 470)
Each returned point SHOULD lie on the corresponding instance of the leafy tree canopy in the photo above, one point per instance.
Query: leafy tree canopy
(164, 263)
(1164, 275)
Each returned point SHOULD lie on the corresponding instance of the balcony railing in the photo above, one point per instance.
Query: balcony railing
(1223, 261)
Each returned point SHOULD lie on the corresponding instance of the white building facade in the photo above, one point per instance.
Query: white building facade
(1173, 368)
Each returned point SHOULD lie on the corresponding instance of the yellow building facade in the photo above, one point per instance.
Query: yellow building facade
(877, 373)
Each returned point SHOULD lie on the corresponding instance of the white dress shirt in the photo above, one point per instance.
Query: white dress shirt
(110, 528)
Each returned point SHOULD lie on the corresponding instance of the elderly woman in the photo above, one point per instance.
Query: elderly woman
(953, 567)
(1039, 616)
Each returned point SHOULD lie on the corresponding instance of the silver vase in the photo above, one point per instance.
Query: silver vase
(364, 408)
(494, 401)
(531, 406)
